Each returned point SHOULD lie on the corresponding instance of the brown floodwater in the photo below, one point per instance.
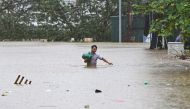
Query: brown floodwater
(138, 79)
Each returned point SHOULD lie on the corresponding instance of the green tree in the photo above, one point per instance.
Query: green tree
(91, 18)
(56, 20)
(171, 15)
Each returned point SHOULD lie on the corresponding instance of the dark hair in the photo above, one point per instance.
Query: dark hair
(93, 46)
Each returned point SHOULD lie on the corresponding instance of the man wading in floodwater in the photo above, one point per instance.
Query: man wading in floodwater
(91, 57)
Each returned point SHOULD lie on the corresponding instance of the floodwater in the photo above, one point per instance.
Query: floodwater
(138, 79)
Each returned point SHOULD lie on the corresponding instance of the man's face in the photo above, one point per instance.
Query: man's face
(94, 49)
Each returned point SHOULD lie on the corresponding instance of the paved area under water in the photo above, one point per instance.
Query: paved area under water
(139, 79)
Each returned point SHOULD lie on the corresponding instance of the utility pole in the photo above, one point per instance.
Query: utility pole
(120, 21)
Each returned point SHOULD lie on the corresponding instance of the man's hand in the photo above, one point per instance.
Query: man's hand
(107, 61)
(85, 60)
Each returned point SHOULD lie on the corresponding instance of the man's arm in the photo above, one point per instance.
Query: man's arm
(107, 61)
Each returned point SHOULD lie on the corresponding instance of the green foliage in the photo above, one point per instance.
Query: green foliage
(170, 15)
(55, 19)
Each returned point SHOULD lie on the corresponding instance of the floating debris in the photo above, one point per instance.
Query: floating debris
(168, 84)
(146, 83)
(5, 94)
(17, 82)
(98, 91)
(87, 106)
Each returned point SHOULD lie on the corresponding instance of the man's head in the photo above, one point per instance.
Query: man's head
(94, 48)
